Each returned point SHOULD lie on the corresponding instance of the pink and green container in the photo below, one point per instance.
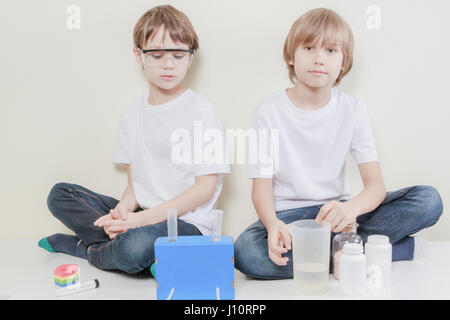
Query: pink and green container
(67, 275)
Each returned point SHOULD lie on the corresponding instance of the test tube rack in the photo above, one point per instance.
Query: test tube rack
(194, 267)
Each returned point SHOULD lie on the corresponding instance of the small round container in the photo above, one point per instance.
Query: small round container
(67, 275)
(353, 270)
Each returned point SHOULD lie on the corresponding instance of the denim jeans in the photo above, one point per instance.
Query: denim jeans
(131, 251)
(402, 213)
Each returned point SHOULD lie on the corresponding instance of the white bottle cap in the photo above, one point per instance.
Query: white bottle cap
(353, 248)
(378, 239)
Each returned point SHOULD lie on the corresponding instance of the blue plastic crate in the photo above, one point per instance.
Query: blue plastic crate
(194, 267)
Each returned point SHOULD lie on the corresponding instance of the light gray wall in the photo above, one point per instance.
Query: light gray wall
(63, 90)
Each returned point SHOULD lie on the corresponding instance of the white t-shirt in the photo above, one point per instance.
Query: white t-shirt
(159, 140)
(309, 167)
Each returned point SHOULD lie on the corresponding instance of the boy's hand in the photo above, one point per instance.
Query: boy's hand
(105, 221)
(113, 226)
(279, 242)
(109, 231)
(119, 212)
(338, 214)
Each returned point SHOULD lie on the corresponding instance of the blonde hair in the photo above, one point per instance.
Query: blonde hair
(314, 25)
(175, 22)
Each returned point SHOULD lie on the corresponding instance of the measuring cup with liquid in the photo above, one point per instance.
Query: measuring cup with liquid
(311, 255)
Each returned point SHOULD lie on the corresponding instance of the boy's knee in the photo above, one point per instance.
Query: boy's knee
(431, 201)
(136, 250)
(238, 243)
(241, 248)
(59, 191)
(247, 257)
(240, 256)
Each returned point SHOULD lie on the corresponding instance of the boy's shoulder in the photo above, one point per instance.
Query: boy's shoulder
(269, 103)
(346, 100)
(132, 109)
(199, 107)
(199, 102)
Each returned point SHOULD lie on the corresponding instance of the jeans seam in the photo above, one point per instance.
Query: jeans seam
(91, 250)
(98, 212)
(81, 191)
(99, 247)
(70, 191)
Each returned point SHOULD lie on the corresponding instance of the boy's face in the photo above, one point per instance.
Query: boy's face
(317, 65)
(164, 70)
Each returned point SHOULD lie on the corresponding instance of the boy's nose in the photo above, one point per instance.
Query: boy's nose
(168, 63)
(318, 59)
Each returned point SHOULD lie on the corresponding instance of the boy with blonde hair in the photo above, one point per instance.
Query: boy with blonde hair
(318, 125)
(120, 235)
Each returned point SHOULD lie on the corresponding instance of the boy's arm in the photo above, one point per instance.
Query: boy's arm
(278, 236)
(193, 197)
(374, 191)
(127, 202)
(128, 197)
(262, 197)
(342, 214)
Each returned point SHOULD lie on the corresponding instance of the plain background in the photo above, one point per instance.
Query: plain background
(62, 92)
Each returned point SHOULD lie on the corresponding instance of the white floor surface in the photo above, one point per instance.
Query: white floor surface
(26, 272)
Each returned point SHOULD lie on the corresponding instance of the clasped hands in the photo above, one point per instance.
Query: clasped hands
(119, 220)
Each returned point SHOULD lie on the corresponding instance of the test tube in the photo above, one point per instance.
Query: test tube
(217, 225)
(172, 228)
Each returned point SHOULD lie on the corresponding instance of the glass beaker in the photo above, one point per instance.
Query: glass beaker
(311, 255)
(347, 235)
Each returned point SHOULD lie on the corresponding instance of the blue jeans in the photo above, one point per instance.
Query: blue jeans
(131, 251)
(402, 213)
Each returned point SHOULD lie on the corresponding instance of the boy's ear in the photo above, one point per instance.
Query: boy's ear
(190, 62)
(137, 56)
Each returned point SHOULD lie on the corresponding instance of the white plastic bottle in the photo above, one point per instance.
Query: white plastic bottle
(353, 270)
(379, 261)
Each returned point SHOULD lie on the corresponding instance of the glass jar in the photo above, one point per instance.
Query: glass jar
(347, 235)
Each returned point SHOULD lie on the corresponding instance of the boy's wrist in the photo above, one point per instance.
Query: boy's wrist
(270, 222)
(352, 206)
(129, 205)
(147, 217)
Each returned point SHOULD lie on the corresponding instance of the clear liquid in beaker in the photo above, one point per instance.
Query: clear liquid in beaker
(311, 277)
